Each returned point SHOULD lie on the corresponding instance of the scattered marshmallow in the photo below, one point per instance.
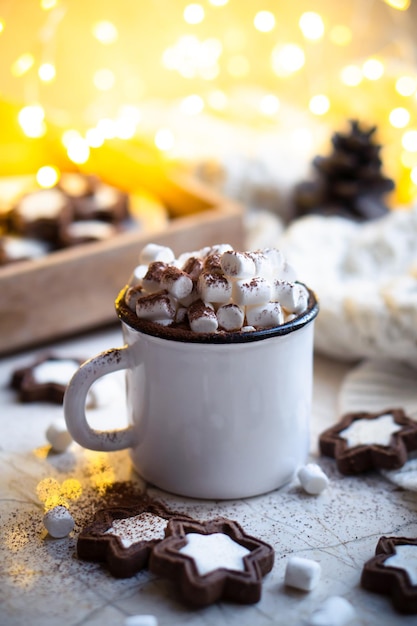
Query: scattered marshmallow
(335, 611)
(312, 478)
(141, 620)
(154, 252)
(265, 315)
(58, 522)
(249, 292)
(230, 317)
(238, 264)
(302, 573)
(58, 436)
(202, 318)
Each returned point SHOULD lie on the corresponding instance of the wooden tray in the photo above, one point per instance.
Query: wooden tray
(74, 290)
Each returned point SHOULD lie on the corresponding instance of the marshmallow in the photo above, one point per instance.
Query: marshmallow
(154, 252)
(58, 436)
(156, 306)
(176, 282)
(237, 264)
(137, 275)
(212, 263)
(230, 317)
(253, 291)
(265, 315)
(202, 318)
(292, 296)
(287, 272)
(263, 265)
(221, 248)
(58, 522)
(193, 267)
(302, 573)
(151, 282)
(312, 478)
(214, 288)
(141, 620)
(335, 611)
(132, 296)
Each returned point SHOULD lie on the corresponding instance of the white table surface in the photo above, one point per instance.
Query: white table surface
(43, 582)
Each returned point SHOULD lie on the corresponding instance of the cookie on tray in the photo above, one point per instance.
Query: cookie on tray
(363, 441)
(123, 537)
(393, 572)
(211, 561)
(45, 379)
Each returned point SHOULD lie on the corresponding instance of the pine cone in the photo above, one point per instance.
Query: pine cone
(349, 181)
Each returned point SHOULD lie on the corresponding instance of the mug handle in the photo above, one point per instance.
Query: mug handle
(75, 398)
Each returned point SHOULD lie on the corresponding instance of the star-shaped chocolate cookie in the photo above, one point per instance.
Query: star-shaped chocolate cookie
(45, 379)
(123, 537)
(213, 560)
(363, 441)
(393, 572)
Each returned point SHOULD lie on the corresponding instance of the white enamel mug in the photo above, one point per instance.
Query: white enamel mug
(219, 417)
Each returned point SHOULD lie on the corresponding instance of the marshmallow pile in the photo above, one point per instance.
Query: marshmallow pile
(215, 289)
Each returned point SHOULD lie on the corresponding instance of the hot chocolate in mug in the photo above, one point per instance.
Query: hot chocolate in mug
(215, 416)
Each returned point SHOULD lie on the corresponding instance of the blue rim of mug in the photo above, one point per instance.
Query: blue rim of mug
(219, 337)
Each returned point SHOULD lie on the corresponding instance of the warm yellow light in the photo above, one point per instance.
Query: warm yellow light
(218, 3)
(191, 57)
(303, 140)
(94, 138)
(399, 117)
(22, 64)
(408, 159)
(46, 72)
(311, 25)
(69, 136)
(264, 21)
(47, 176)
(401, 5)
(78, 151)
(269, 104)
(340, 35)
(406, 85)
(105, 32)
(217, 100)
(409, 140)
(46, 5)
(107, 128)
(287, 59)
(194, 13)
(238, 66)
(319, 104)
(32, 120)
(1, 26)
(351, 75)
(373, 69)
(124, 128)
(192, 105)
(413, 175)
(130, 112)
(104, 79)
(164, 139)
